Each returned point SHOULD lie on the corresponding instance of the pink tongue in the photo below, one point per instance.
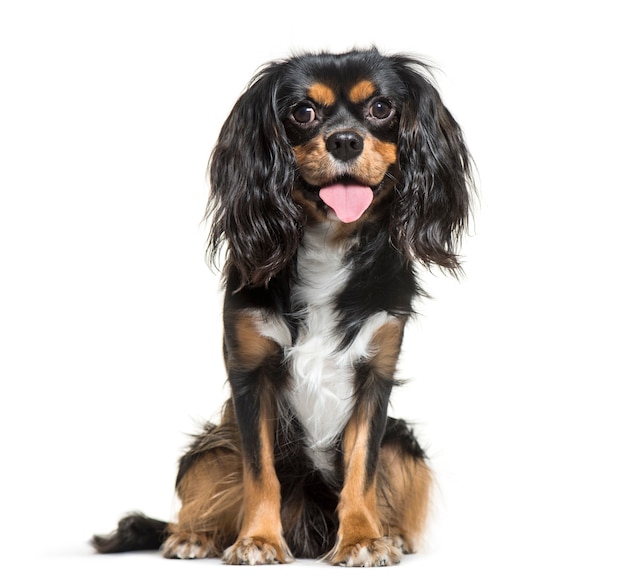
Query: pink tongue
(347, 201)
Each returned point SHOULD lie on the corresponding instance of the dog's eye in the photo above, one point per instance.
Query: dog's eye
(381, 109)
(304, 114)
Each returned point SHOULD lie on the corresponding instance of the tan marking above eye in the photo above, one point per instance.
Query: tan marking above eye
(322, 94)
(361, 91)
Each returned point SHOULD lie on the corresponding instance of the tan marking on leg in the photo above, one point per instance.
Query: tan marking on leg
(260, 539)
(360, 538)
(252, 348)
(322, 94)
(361, 91)
(386, 343)
(403, 496)
(357, 512)
(262, 492)
(211, 497)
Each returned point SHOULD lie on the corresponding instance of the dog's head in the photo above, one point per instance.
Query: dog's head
(353, 138)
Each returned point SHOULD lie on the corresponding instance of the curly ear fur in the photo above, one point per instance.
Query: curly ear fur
(433, 198)
(251, 174)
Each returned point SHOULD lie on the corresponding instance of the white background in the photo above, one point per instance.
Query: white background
(110, 324)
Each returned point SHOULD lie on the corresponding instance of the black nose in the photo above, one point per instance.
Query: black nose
(344, 145)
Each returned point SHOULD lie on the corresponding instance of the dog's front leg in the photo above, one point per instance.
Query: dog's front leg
(360, 539)
(256, 375)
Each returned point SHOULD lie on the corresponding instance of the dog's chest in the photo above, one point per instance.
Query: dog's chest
(323, 391)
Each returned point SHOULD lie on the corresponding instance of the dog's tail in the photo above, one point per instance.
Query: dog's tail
(134, 532)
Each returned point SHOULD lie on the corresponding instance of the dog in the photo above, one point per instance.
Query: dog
(333, 180)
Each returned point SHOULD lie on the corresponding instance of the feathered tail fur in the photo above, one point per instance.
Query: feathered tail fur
(134, 532)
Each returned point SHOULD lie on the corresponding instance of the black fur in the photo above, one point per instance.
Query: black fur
(251, 173)
(134, 532)
(433, 197)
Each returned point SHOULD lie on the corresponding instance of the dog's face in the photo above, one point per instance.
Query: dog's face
(358, 138)
(342, 121)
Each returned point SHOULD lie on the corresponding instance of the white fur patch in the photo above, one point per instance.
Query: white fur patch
(322, 394)
(273, 327)
(323, 375)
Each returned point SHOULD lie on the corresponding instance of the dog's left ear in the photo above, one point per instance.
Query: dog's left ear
(435, 183)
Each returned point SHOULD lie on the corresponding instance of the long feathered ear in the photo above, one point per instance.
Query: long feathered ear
(251, 174)
(435, 184)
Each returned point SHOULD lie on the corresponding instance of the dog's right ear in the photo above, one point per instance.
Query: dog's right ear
(251, 174)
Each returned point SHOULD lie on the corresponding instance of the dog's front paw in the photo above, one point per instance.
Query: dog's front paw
(188, 545)
(257, 551)
(367, 552)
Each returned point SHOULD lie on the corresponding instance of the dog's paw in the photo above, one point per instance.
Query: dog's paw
(368, 552)
(257, 551)
(189, 545)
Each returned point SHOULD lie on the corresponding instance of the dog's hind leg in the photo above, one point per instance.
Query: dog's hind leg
(209, 485)
(404, 485)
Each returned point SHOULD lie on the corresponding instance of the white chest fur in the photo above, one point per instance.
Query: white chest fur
(322, 391)
(323, 373)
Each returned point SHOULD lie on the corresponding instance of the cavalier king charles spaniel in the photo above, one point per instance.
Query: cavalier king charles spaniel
(334, 177)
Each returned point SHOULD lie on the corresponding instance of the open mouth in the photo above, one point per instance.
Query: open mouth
(348, 198)
(349, 201)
